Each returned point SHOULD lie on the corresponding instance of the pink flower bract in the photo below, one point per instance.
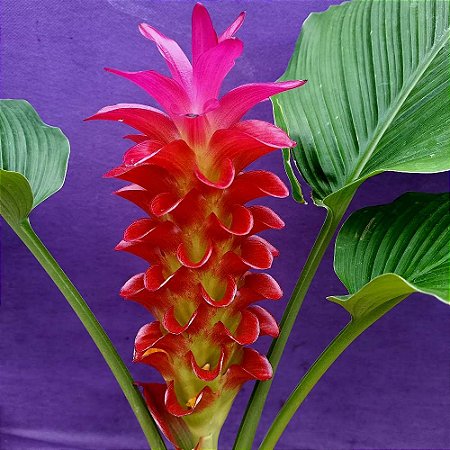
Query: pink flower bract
(186, 169)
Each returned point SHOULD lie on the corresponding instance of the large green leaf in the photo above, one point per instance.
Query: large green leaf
(33, 161)
(377, 97)
(384, 253)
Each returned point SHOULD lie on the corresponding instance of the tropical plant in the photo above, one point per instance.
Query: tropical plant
(377, 99)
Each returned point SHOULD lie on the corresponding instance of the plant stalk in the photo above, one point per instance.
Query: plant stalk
(249, 424)
(210, 442)
(320, 366)
(95, 330)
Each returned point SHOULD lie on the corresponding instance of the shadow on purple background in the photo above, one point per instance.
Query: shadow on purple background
(390, 390)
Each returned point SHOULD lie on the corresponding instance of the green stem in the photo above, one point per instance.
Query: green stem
(249, 424)
(98, 335)
(210, 442)
(322, 364)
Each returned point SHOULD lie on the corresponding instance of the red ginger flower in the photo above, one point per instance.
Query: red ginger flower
(186, 170)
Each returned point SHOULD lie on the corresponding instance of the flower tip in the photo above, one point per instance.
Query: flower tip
(111, 70)
(143, 27)
(148, 31)
(94, 116)
(120, 246)
(295, 83)
(233, 28)
(112, 173)
(201, 17)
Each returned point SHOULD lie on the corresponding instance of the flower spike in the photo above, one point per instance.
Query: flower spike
(186, 170)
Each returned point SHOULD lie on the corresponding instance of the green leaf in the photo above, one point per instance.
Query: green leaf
(33, 160)
(377, 97)
(388, 252)
(16, 198)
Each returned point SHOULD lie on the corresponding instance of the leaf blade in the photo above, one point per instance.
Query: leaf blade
(37, 152)
(378, 82)
(390, 251)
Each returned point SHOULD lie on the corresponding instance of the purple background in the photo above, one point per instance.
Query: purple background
(391, 389)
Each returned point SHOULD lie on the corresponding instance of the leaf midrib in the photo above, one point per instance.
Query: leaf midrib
(380, 131)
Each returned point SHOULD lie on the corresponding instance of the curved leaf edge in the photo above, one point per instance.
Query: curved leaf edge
(404, 288)
(56, 130)
(332, 199)
(288, 158)
(12, 185)
(63, 180)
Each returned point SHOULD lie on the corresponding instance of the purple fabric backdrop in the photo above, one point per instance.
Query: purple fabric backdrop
(389, 390)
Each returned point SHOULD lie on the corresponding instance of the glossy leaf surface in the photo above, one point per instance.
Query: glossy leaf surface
(387, 252)
(377, 97)
(33, 159)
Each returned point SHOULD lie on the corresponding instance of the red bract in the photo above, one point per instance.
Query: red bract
(186, 173)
